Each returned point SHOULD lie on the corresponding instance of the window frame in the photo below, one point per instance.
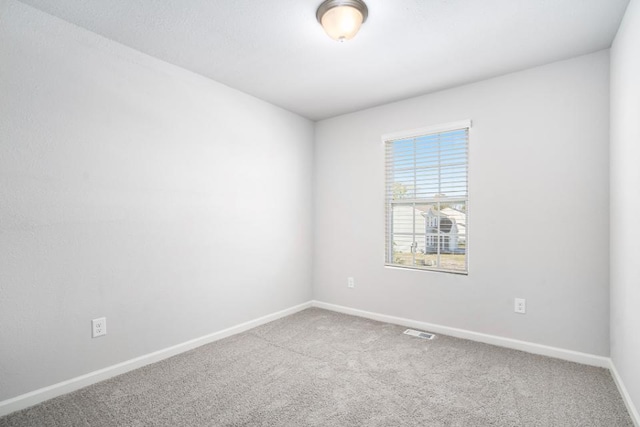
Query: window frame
(389, 203)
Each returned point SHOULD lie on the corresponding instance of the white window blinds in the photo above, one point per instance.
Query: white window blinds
(426, 198)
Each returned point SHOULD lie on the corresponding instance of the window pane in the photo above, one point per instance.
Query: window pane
(426, 181)
(453, 262)
(403, 219)
(427, 260)
(402, 250)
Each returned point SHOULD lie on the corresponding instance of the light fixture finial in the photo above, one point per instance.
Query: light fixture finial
(341, 19)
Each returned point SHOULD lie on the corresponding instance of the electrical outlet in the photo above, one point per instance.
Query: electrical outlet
(520, 306)
(98, 327)
(351, 283)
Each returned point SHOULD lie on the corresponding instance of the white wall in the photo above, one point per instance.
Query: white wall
(538, 210)
(625, 201)
(132, 189)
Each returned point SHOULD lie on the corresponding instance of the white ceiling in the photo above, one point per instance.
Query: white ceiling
(276, 50)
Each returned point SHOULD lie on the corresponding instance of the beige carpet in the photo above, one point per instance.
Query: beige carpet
(319, 368)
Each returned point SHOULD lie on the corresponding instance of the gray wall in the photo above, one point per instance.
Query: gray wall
(538, 210)
(177, 207)
(132, 189)
(625, 201)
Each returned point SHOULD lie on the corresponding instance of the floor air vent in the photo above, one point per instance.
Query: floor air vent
(419, 334)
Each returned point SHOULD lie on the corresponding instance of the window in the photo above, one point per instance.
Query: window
(426, 198)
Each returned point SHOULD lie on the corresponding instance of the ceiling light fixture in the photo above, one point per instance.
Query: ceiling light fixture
(341, 19)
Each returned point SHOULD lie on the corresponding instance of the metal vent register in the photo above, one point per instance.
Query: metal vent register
(419, 334)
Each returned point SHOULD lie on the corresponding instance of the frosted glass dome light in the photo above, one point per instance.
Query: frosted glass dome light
(341, 19)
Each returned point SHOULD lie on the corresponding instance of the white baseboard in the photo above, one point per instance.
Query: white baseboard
(49, 392)
(631, 408)
(529, 347)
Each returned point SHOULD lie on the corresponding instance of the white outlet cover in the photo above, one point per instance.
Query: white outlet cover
(98, 327)
(520, 305)
(351, 282)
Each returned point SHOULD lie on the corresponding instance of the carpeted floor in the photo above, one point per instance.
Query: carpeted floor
(319, 368)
